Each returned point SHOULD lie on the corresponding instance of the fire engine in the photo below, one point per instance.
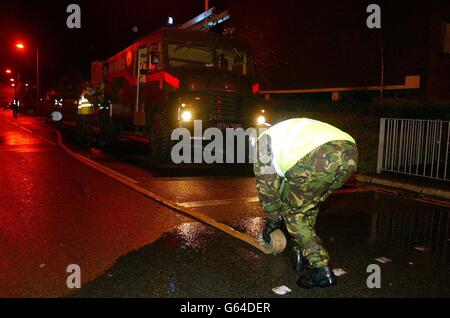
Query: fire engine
(170, 78)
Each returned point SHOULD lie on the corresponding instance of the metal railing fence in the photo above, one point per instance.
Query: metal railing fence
(415, 147)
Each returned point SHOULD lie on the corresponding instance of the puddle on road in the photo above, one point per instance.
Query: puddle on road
(193, 235)
(387, 221)
(195, 260)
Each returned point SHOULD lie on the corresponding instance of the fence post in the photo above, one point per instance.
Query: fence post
(381, 145)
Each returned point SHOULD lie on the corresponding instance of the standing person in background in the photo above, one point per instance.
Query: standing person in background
(15, 108)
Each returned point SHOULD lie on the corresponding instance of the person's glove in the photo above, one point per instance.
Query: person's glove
(272, 223)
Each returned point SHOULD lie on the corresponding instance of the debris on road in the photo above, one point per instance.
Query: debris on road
(172, 285)
(383, 259)
(422, 248)
(281, 290)
(339, 272)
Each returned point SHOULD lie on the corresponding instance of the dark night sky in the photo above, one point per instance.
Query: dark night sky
(106, 28)
(309, 43)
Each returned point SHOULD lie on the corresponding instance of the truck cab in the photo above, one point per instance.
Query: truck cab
(172, 77)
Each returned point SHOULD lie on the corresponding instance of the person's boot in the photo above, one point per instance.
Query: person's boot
(317, 277)
(298, 262)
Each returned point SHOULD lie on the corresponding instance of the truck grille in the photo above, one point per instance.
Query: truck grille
(225, 106)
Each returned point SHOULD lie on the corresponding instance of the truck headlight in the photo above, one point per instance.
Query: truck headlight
(186, 115)
(261, 120)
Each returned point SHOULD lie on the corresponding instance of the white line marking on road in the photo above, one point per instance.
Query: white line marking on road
(27, 130)
(197, 204)
(87, 160)
(95, 163)
(47, 140)
(30, 132)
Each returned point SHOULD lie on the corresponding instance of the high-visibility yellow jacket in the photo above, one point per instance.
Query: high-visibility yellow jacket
(294, 138)
(85, 107)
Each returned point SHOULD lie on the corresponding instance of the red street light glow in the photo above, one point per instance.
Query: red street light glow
(8, 71)
(11, 79)
(20, 46)
(13, 85)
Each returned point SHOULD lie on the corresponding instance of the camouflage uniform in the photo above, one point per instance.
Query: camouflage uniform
(308, 183)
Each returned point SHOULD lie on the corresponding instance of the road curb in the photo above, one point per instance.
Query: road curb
(433, 192)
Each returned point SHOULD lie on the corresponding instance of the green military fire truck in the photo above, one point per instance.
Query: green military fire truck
(168, 79)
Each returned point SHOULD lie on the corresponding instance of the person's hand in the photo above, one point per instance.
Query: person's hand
(272, 223)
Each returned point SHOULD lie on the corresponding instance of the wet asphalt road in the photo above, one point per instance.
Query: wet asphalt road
(54, 211)
(195, 261)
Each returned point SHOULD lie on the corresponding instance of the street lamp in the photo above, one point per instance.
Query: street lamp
(21, 46)
(13, 80)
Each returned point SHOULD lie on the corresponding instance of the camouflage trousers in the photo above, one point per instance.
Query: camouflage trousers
(306, 185)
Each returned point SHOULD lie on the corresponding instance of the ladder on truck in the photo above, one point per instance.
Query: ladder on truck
(205, 21)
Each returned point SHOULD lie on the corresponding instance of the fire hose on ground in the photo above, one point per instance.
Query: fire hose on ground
(278, 239)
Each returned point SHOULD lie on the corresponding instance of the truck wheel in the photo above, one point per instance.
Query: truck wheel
(107, 136)
(159, 138)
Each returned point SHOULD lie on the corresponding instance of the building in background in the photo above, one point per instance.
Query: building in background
(325, 44)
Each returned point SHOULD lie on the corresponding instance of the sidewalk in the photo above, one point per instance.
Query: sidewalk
(433, 188)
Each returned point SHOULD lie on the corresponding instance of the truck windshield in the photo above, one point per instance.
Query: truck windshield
(233, 61)
(190, 55)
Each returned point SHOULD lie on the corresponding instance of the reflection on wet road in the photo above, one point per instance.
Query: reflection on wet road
(54, 211)
(196, 261)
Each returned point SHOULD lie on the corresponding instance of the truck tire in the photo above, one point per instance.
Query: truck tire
(108, 137)
(159, 138)
(83, 131)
